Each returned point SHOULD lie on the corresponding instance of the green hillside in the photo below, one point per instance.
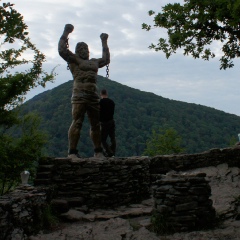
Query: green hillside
(137, 113)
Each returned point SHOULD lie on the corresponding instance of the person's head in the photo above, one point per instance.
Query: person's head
(82, 50)
(104, 93)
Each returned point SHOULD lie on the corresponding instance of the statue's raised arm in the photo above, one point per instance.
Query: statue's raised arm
(63, 50)
(105, 60)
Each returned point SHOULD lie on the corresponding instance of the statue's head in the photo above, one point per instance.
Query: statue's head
(82, 50)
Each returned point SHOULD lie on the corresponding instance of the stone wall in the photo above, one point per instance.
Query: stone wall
(183, 162)
(102, 184)
(182, 203)
(117, 181)
(97, 183)
(21, 212)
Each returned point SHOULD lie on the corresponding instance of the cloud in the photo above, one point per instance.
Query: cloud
(132, 62)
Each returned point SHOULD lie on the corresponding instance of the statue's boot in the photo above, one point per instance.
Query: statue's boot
(73, 153)
(74, 156)
(99, 155)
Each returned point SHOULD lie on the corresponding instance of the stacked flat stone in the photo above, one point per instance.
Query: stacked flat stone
(182, 162)
(97, 183)
(183, 202)
(21, 211)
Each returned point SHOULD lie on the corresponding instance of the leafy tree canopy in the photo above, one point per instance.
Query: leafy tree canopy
(163, 141)
(17, 53)
(194, 25)
(20, 153)
(20, 70)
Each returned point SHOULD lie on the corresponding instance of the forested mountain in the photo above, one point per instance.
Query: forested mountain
(137, 113)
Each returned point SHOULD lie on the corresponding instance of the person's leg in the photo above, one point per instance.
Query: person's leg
(112, 137)
(104, 136)
(78, 111)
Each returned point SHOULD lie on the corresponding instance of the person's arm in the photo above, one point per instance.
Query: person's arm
(105, 51)
(63, 50)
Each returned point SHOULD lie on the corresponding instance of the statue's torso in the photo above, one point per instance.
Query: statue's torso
(85, 79)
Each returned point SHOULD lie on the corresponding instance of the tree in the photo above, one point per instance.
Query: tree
(195, 25)
(163, 141)
(20, 70)
(15, 42)
(233, 141)
(20, 153)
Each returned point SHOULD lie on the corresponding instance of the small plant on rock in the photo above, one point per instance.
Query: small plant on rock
(160, 224)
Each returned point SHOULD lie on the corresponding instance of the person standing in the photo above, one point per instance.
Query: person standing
(107, 107)
(85, 97)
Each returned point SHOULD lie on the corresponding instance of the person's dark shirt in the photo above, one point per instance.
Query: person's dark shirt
(107, 106)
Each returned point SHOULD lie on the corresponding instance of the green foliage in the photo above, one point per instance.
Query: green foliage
(137, 113)
(15, 84)
(48, 220)
(160, 225)
(194, 26)
(163, 141)
(233, 140)
(19, 153)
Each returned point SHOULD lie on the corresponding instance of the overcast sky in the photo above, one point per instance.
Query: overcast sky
(132, 62)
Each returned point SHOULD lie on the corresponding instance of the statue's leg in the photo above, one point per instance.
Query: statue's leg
(78, 111)
(95, 133)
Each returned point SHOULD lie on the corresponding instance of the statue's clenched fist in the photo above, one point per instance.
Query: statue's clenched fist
(104, 36)
(68, 28)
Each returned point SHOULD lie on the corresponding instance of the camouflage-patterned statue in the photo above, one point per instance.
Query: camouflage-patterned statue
(85, 98)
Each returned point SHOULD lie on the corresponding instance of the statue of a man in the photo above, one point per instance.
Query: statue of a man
(85, 98)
